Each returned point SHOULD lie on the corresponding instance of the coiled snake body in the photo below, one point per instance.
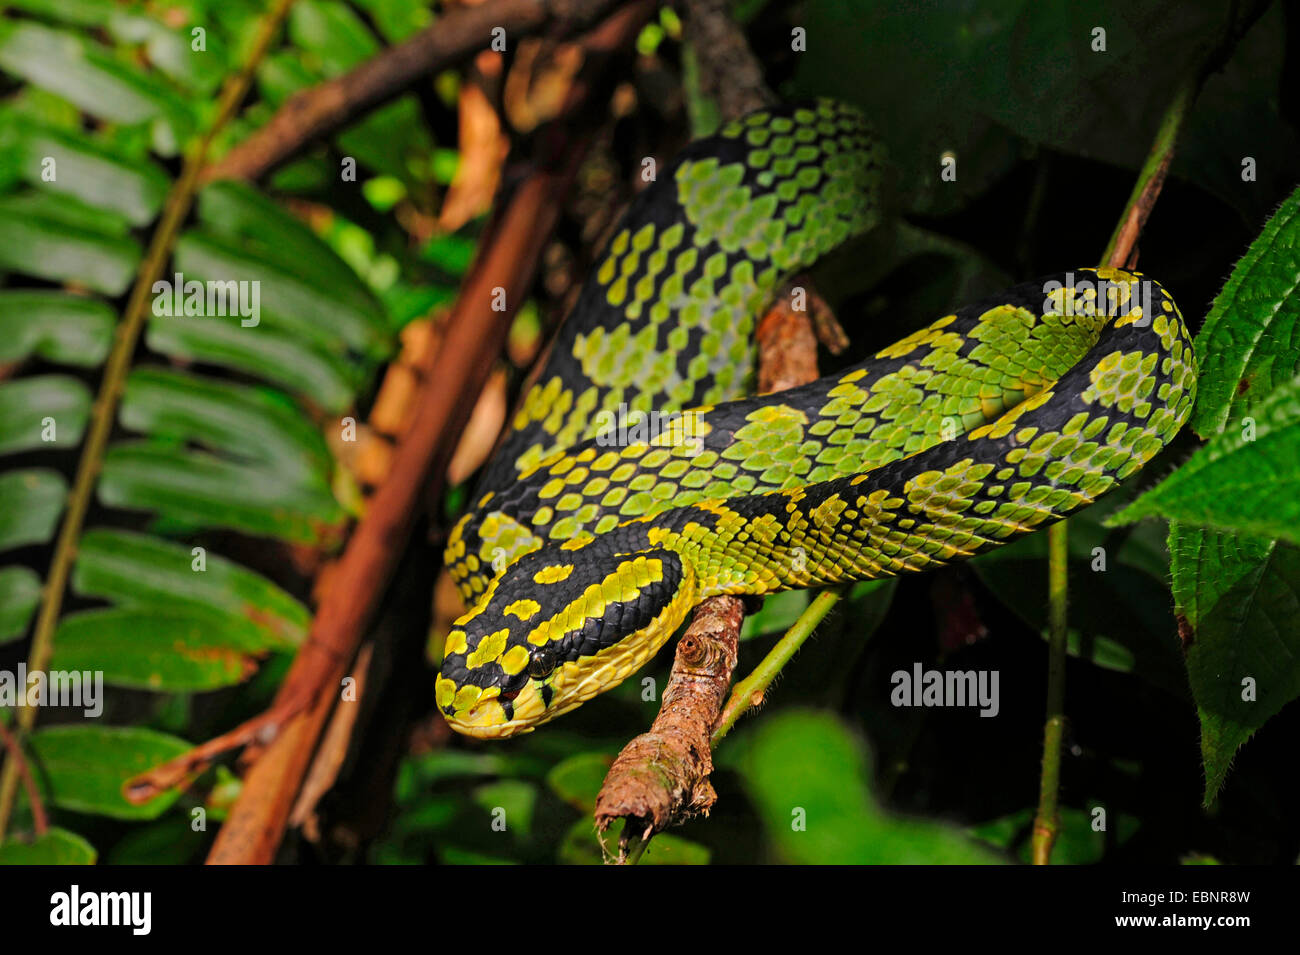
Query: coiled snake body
(595, 531)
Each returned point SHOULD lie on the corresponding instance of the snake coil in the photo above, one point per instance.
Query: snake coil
(637, 479)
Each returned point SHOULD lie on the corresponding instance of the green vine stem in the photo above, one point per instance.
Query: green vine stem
(750, 691)
(1121, 252)
(104, 412)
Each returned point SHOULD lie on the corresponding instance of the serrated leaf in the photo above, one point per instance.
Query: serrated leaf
(61, 328)
(1241, 599)
(1238, 592)
(55, 847)
(199, 489)
(20, 591)
(30, 504)
(83, 768)
(158, 649)
(26, 403)
(1250, 343)
(135, 570)
(1240, 481)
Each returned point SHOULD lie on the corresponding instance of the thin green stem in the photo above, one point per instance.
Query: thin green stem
(1121, 252)
(177, 207)
(749, 692)
(1047, 820)
(1120, 249)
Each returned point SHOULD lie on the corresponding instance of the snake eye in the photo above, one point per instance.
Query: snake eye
(542, 663)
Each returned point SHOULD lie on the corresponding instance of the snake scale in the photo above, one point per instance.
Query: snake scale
(638, 478)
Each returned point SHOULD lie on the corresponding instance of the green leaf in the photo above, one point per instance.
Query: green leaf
(1242, 480)
(55, 847)
(169, 841)
(510, 800)
(36, 243)
(138, 571)
(393, 141)
(578, 778)
(61, 328)
(1237, 592)
(256, 425)
(1250, 343)
(236, 211)
(289, 299)
(807, 776)
(778, 612)
(169, 51)
(328, 380)
(195, 488)
(30, 504)
(987, 81)
(336, 37)
(25, 404)
(20, 592)
(397, 19)
(92, 78)
(83, 768)
(82, 13)
(1240, 596)
(84, 169)
(157, 649)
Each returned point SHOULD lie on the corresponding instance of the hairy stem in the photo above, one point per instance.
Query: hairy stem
(750, 691)
(179, 201)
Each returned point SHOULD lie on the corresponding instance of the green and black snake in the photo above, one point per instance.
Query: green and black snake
(596, 530)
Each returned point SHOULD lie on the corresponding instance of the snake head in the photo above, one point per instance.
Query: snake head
(557, 627)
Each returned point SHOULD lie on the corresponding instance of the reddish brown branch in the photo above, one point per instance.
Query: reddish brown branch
(508, 256)
(474, 336)
(316, 112)
(39, 820)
